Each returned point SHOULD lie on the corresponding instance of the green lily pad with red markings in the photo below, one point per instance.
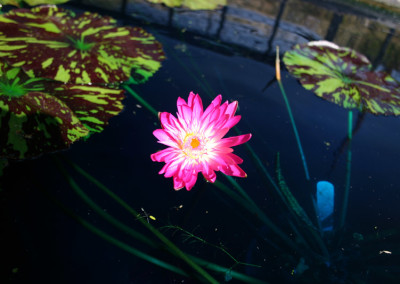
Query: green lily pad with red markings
(11, 2)
(42, 2)
(343, 76)
(55, 43)
(18, 3)
(192, 4)
(39, 116)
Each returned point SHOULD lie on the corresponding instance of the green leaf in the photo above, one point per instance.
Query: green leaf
(290, 201)
(92, 105)
(41, 2)
(54, 43)
(343, 76)
(39, 116)
(11, 2)
(19, 3)
(192, 4)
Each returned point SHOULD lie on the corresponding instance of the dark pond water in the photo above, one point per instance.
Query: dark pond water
(228, 52)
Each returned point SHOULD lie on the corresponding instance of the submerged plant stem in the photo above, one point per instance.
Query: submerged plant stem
(131, 250)
(190, 235)
(258, 213)
(239, 276)
(345, 202)
(115, 222)
(171, 246)
(258, 163)
(113, 240)
(296, 133)
(99, 210)
(140, 99)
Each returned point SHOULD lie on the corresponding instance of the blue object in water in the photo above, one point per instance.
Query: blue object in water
(325, 204)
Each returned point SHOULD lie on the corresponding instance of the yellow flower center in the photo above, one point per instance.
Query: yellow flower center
(195, 143)
(193, 146)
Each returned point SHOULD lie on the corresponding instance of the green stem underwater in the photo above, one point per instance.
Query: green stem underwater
(171, 246)
(140, 99)
(113, 221)
(257, 213)
(296, 133)
(345, 202)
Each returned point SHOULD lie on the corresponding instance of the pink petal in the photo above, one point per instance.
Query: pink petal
(191, 182)
(173, 168)
(165, 138)
(216, 162)
(175, 123)
(178, 183)
(185, 114)
(208, 173)
(163, 169)
(180, 102)
(205, 122)
(235, 158)
(217, 101)
(223, 108)
(232, 121)
(165, 119)
(191, 98)
(232, 107)
(235, 140)
(219, 122)
(197, 108)
(217, 135)
(214, 104)
(169, 125)
(222, 150)
(233, 170)
(215, 115)
(164, 155)
(185, 169)
(212, 177)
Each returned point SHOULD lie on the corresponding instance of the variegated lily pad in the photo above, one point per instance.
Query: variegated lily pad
(42, 2)
(10, 2)
(54, 43)
(38, 116)
(192, 4)
(343, 76)
(31, 2)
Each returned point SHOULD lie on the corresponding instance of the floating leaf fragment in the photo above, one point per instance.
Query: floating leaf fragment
(55, 43)
(343, 76)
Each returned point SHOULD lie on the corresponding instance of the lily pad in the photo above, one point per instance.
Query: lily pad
(192, 4)
(42, 2)
(18, 3)
(39, 116)
(55, 43)
(343, 76)
(11, 2)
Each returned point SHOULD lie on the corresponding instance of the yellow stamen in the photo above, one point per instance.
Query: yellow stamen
(194, 143)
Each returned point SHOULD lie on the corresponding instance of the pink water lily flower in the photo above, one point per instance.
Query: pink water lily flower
(196, 143)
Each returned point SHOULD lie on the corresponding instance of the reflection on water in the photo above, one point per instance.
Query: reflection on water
(259, 26)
